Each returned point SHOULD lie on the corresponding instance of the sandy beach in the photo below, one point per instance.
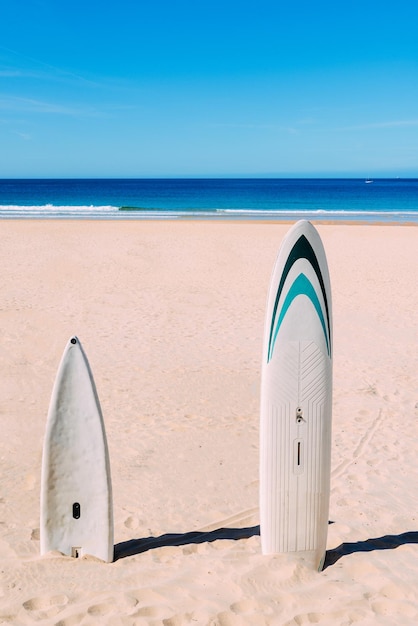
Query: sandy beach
(171, 316)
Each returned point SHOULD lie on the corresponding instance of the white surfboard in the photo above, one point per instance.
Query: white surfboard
(76, 494)
(296, 398)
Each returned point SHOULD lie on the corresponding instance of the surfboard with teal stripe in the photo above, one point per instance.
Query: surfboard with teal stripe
(296, 399)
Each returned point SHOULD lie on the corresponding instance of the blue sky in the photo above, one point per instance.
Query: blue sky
(194, 88)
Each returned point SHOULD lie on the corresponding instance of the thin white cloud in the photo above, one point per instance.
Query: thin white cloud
(10, 73)
(254, 126)
(25, 136)
(377, 125)
(48, 71)
(14, 103)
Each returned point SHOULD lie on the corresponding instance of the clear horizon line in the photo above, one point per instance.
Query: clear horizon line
(300, 176)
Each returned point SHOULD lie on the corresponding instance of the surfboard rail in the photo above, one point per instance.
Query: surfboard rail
(76, 492)
(296, 399)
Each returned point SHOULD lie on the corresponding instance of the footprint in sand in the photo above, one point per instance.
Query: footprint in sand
(227, 618)
(151, 612)
(247, 605)
(308, 618)
(176, 620)
(131, 522)
(98, 610)
(104, 608)
(388, 607)
(42, 607)
(72, 620)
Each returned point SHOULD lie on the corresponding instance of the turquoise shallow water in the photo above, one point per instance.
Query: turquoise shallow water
(394, 200)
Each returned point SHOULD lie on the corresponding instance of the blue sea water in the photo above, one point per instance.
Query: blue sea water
(381, 200)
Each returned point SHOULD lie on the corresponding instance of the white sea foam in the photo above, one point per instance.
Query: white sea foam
(50, 211)
(354, 215)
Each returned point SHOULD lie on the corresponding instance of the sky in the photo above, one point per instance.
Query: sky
(150, 88)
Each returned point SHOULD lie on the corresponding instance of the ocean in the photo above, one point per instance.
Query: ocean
(379, 200)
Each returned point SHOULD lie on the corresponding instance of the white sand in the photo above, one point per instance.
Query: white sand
(171, 317)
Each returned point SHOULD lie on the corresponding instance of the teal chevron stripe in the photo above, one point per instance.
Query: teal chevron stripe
(301, 286)
(301, 250)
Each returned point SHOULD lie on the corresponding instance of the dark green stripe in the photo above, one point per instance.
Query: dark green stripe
(301, 250)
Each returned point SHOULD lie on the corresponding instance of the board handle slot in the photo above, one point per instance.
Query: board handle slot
(76, 510)
(298, 460)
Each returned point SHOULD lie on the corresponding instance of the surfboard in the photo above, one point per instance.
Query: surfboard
(76, 492)
(296, 399)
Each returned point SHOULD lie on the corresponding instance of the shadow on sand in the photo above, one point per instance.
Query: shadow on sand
(137, 546)
(388, 542)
